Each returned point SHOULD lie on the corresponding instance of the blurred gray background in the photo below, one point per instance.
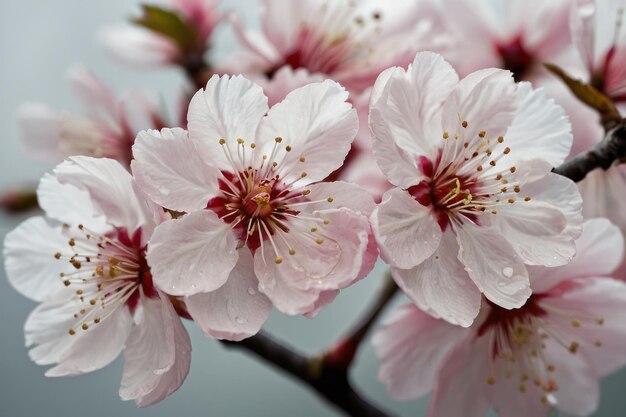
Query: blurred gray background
(39, 40)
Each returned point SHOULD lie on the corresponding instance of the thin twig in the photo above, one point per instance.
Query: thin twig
(602, 155)
(343, 352)
(331, 384)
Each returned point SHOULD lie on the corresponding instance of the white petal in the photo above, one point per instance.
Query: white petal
(109, 186)
(138, 46)
(96, 347)
(344, 194)
(493, 265)
(47, 327)
(228, 108)
(68, 204)
(441, 286)
(317, 123)
(29, 258)
(460, 387)
(486, 99)
(157, 356)
(541, 129)
(192, 254)
(592, 299)
(407, 232)
(39, 126)
(169, 169)
(237, 309)
(411, 347)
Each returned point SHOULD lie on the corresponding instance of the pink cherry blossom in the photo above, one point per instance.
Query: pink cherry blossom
(348, 41)
(139, 46)
(515, 35)
(548, 354)
(85, 262)
(108, 128)
(258, 220)
(475, 201)
(601, 41)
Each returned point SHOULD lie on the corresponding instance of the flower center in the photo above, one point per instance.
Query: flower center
(466, 179)
(107, 271)
(259, 204)
(516, 58)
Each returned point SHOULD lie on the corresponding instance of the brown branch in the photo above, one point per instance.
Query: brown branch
(342, 354)
(332, 384)
(601, 155)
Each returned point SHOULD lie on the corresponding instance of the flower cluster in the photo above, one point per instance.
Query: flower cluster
(343, 131)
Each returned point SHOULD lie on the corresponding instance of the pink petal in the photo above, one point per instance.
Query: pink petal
(600, 250)
(461, 385)
(317, 123)
(541, 129)
(344, 194)
(486, 99)
(39, 128)
(168, 168)
(68, 204)
(229, 108)
(29, 258)
(157, 355)
(193, 254)
(96, 347)
(594, 298)
(440, 285)
(492, 264)
(406, 113)
(109, 186)
(138, 46)
(237, 309)
(407, 232)
(411, 347)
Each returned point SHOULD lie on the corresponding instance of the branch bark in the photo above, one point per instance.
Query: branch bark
(331, 383)
(602, 155)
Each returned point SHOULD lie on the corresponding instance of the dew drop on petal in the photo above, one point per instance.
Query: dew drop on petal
(507, 272)
(164, 190)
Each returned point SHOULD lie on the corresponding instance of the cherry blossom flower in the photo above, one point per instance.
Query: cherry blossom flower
(549, 353)
(107, 130)
(140, 46)
(85, 262)
(257, 218)
(513, 35)
(475, 201)
(348, 41)
(601, 41)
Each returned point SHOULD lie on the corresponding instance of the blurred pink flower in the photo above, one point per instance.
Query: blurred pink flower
(348, 41)
(140, 46)
(108, 128)
(475, 200)
(514, 35)
(85, 262)
(549, 353)
(248, 180)
(601, 41)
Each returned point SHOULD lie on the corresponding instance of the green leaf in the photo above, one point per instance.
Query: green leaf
(169, 24)
(587, 94)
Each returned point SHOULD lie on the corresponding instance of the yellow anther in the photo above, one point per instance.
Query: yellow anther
(72, 332)
(511, 200)
(240, 141)
(491, 380)
(292, 251)
(517, 189)
(278, 139)
(85, 326)
(302, 159)
(57, 255)
(222, 141)
(482, 133)
(288, 148)
(319, 240)
(303, 174)
(464, 123)
(513, 169)
(446, 135)
(575, 323)
(278, 260)
(506, 150)
(330, 199)
(500, 139)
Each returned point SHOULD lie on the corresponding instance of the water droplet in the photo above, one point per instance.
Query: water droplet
(507, 272)
(193, 285)
(240, 320)
(251, 291)
(173, 287)
(164, 190)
